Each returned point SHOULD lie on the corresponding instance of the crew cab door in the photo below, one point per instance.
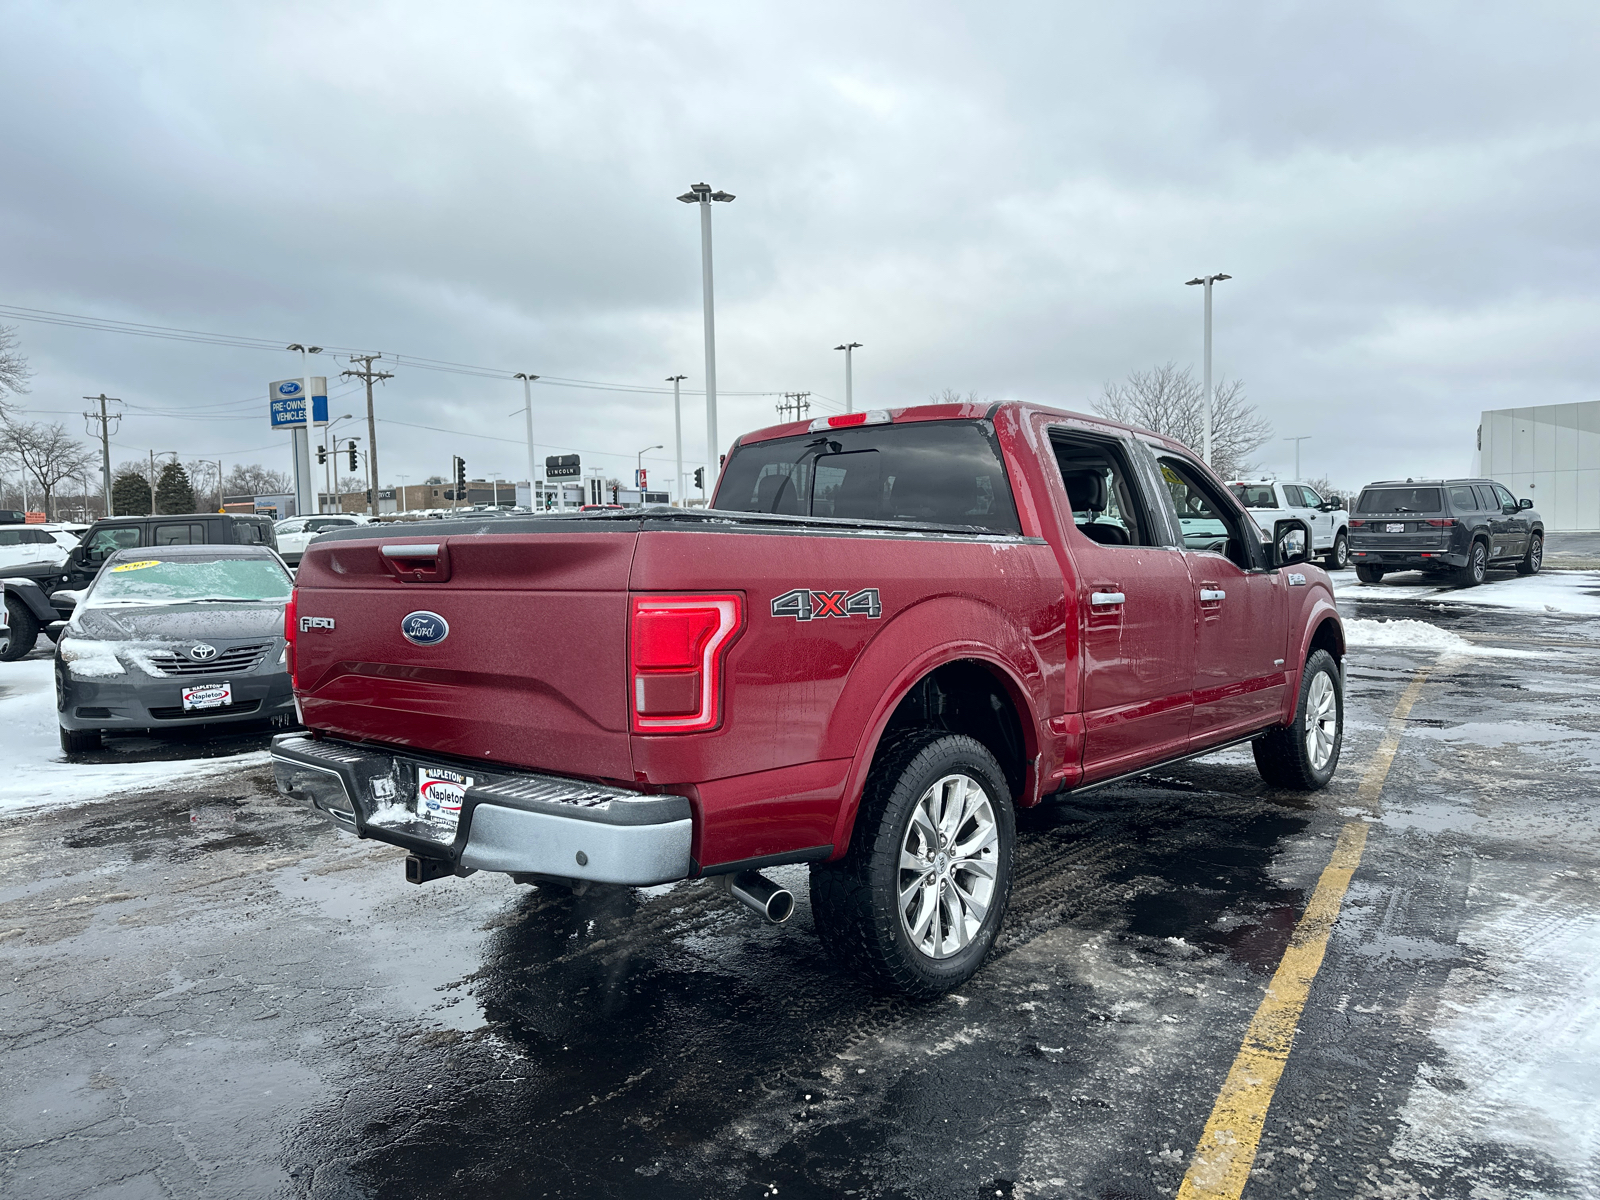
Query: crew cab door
(1310, 510)
(1130, 602)
(1239, 610)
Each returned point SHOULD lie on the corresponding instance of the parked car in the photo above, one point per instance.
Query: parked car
(31, 552)
(893, 629)
(1445, 527)
(1270, 500)
(38, 601)
(294, 533)
(174, 636)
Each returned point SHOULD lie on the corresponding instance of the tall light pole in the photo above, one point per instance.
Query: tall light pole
(1297, 441)
(527, 399)
(330, 469)
(849, 390)
(702, 195)
(638, 469)
(303, 479)
(1207, 281)
(677, 433)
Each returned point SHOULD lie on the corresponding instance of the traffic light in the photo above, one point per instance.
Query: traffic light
(700, 478)
(352, 454)
(461, 477)
(322, 455)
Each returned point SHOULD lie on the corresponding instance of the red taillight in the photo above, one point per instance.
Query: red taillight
(675, 661)
(1357, 524)
(289, 631)
(1444, 524)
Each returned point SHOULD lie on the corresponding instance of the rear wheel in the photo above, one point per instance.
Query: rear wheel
(1304, 754)
(1338, 558)
(1534, 558)
(1477, 566)
(79, 741)
(24, 630)
(1369, 574)
(918, 902)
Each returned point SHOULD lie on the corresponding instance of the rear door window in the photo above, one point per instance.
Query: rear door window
(249, 533)
(1401, 500)
(1462, 499)
(186, 534)
(1105, 503)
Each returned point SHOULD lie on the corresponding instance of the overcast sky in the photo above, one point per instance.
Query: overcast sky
(999, 198)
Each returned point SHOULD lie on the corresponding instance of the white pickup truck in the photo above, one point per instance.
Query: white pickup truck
(1270, 500)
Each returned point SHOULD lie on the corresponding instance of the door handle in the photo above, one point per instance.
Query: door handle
(1212, 595)
(1097, 598)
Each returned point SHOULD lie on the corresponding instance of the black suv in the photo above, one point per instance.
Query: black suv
(1455, 527)
(32, 606)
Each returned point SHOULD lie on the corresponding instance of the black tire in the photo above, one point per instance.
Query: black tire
(1338, 558)
(1369, 574)
(855, 902)
(1534, 558)
(24, 630)
(79, 741)
(1477, 567)
(1283, 755)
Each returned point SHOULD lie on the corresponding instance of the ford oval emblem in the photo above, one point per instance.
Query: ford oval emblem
(289, 389)
(424, 628)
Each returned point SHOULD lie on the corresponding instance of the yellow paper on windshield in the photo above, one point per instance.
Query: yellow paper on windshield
(138, 566)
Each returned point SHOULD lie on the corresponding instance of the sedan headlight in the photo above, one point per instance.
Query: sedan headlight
(88, 659)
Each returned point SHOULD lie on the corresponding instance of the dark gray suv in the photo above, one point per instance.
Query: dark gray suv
(1454, 527)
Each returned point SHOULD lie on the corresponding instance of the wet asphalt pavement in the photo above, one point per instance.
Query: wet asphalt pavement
(213, 993)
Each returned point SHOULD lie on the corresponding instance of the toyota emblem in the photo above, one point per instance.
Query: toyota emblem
(201, 652)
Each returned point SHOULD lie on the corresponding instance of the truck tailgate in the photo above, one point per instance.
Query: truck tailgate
(531, 669)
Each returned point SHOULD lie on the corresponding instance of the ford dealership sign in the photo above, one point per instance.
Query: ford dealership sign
(287, 401)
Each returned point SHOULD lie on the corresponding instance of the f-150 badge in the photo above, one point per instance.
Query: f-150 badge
(806, 604)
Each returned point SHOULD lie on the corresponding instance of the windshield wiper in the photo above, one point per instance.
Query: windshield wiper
(236, 600)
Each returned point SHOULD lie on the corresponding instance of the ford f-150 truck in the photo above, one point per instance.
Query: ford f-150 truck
(891, 630)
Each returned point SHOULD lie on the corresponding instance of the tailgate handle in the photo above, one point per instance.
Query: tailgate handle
(417, 562)
(1106, 598)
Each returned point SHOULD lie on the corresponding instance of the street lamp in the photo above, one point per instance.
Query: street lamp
(638, 469)
(702, 195)
(677, 432)
(849, 393)
(527, 408)
(301, 437)
(1207, 281)
(1297, 441)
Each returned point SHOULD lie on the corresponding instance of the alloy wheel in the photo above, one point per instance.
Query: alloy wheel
(1322, 720)
(948, 863)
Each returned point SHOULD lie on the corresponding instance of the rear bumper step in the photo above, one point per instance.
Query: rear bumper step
(519, 823)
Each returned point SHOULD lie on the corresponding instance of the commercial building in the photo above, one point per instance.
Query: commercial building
(1551, 454)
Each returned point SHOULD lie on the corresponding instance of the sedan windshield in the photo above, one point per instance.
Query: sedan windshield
(189, 581)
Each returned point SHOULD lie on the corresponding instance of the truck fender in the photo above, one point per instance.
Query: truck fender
(32, 595)
(1320, 612)
(881, 679)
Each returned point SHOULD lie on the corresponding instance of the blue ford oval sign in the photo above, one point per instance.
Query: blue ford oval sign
(425, 628)
(289, 389)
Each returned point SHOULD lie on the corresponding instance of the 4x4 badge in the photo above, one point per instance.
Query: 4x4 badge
(808, 604)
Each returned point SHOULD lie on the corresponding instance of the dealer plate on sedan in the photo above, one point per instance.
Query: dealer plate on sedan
(439, 794)
(1394, 528)
(207, 695)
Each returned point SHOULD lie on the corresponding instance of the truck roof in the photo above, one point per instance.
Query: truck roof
(960, 411)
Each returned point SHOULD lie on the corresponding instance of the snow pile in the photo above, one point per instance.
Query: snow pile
(38, 774)
(1419, 635)
(1573, 592)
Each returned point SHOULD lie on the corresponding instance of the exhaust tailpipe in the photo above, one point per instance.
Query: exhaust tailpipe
(754, 890)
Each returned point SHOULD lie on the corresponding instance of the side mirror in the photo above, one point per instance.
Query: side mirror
(1291, 542)
(1524, 504)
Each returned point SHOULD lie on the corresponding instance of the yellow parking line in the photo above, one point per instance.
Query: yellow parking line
(1227, 1150)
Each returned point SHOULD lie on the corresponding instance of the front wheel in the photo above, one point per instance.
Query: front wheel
(1534, 558)
(1338, 558)
(1304, 754)
(1369, 574)
(79, 741)
(917, 903)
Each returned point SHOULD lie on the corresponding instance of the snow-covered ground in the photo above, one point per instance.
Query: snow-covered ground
(1405, 634)
(1572, 592)
(38, 774)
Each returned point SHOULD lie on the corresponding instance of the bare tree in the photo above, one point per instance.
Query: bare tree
(46, 452)
(252, 479)
(1169, 401)
(950, 396)
(14, 372)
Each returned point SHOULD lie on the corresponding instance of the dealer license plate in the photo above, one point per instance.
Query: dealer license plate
(439, 794)
(1396, 527)
(207, 695)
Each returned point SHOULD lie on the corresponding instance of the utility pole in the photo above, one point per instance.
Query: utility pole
(702, 195)
(368, 375)
(1207, 280)
(677, 433)
(849, 389)
(527, 397)
(796, 403)
(104, 435)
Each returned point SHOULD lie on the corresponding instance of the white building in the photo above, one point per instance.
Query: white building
(1551, 454)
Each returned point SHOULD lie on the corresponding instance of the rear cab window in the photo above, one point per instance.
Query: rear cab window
(938, 472)
(1401, 500)
(1255, 495)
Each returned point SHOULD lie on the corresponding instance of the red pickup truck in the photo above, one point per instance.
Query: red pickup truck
(890, 631)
